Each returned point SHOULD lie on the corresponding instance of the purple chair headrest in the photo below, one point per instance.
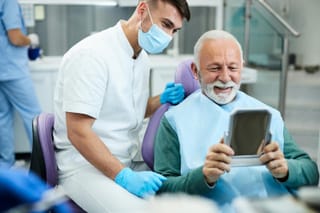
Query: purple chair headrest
(185, 76)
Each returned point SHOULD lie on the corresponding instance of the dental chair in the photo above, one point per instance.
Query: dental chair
(184, 76)
(43, 160)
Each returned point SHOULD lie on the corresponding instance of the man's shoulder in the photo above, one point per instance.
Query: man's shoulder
(97, 40)
(93, 46)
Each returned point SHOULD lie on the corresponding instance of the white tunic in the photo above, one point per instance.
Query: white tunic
(99, 78)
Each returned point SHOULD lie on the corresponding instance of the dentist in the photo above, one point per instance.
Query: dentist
(101, 99)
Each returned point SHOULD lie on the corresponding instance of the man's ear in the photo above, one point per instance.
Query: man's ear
(194, 71)
(141, 8)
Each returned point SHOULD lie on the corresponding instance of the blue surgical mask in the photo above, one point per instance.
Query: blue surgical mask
(155, 40)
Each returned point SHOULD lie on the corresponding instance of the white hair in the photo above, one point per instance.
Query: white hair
(213, 35)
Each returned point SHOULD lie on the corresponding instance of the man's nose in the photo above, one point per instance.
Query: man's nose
(224, 75)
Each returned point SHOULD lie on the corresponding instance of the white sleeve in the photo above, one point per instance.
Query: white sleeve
(85, 82)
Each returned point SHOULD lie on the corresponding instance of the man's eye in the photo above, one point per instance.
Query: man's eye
(234, 68)
(166, 25)
(214, 69)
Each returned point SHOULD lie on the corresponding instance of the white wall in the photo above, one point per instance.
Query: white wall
(305, 17)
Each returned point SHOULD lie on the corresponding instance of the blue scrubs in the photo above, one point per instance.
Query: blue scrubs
(16, 87)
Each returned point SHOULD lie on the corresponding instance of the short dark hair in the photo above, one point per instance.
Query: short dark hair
(181, 5)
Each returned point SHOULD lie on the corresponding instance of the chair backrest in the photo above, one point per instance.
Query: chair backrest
(43, 161)
(184, 76)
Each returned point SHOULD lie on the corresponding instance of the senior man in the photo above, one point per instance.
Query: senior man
(190, 150)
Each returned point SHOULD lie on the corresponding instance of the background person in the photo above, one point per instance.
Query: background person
(100, 102)
(190, 151)
(16, 86)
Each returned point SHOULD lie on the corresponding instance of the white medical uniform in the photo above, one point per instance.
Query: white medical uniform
(98, 77)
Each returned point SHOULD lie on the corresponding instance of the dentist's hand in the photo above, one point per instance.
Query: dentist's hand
(141, 184)
(173, 93)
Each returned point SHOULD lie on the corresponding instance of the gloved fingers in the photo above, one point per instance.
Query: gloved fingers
(175, 90)
(176, 87)
(176, 94)
(156, 181)
(160, 177)
(173, 93)
(170, 84)
(149, 188)
(176, 99)
(152, 186)
(153, 180)
(169, 90)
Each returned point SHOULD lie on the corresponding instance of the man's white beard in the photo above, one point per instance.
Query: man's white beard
(221, 98)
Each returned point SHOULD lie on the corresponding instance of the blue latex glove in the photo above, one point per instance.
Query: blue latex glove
(141, 184)
(173, 93)
(18, 187)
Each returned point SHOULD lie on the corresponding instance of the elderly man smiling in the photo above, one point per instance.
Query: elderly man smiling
(190, 150)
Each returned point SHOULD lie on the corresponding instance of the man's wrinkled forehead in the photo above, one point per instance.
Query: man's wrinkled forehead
(220, 45)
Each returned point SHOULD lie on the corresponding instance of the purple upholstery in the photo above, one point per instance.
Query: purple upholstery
(43, 138)
(45, 126)
(184, 76)
(149, 136)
